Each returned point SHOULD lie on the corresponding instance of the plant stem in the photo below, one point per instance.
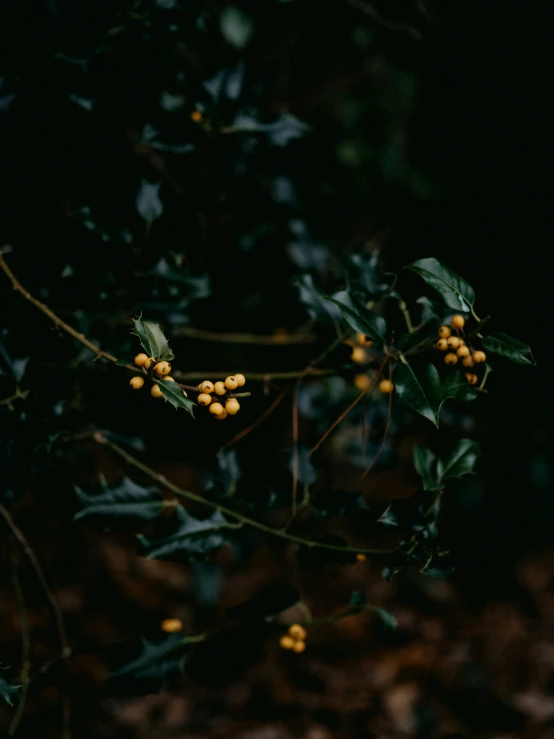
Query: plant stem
(243, 338)
(407, 317)
(196, 498)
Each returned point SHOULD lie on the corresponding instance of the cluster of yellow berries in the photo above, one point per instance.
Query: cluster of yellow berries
(457, 349)
(295, 640)
(359, 354)
(161, 370)
(212, 394)
(363, 383)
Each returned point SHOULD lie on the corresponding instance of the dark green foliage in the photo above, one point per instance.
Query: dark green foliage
(157, 661)
(175, 395)
(434, 472)
(8, 691)
(453, 289)
(126, 502)
(504, 345)
(193, 538)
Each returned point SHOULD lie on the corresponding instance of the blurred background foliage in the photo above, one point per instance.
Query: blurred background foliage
(198, 161)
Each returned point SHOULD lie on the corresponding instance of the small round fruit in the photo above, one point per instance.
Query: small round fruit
(358, 355)
(171, 625)
(241, 379)
(442, 344)
(156, 392)
(141, 359)
(457, 321)
(453, 342)
(468, 362)
(444, 332)
(149, 362)
(207, 386)
(220, 388)
(196, 116)
(451, 359)
(361, 557)
(299, 646)
(363, 340)
(362, 382)
(222, 416)
(462, 351)
(298, 632)
(169, 379)
(479, 356)
(386, 387)
(231, 383)
(136, 382)
(204, 399)
(162, 369)
(471, 378)
(462, 341)
(216, 409)
(232, 406)
(286, 642)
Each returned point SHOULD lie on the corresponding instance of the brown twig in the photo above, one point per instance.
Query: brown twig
(377, 18)
(58, 618)
(257, 376)
(260, 420)
(244, 338)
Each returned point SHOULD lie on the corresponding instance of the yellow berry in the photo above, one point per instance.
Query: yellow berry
(298, 632)
(458, 321)
(362, 382)
(232, 406)
(358, 355)
(462, 342)
(216, 409)
(204, 399)
(155, 391)
(386, 387)
(479, 357)
(468, 361)
(286, 642)
(444, 332)
(171, 625)
(149, 362)
(241, 379)
(196, 116)
(136, 383)
(363, 340)
(222, 416)
(299, 646)
(231, 383)
(220, 388)
(453, 342)
(207, 386)
(141, 359)
(169, 379)
(471, 378)
(162, 369)
(463, 351)
(361, 557)
(451, 358)
(442, 344)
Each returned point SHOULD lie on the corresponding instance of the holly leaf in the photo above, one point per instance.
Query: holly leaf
(194, 538)
(454, 290)
(425, 336)
(157, 660)
(359, 317)
(506, 346)
(419, 386)
(148, 202)
(152, 339)
(461, 460)
(128, 501)
(386, 617)
(176, 396)
(314, 302)
(8, 691)
(426, 465)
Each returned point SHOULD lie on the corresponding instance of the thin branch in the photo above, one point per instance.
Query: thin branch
(58, 618)
(196, 498)
(257, 376)
(260, 420)
(25, 641)
(385, 433)
(244, 338)
(377, 18)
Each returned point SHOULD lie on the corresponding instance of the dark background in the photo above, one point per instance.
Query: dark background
(432, 147)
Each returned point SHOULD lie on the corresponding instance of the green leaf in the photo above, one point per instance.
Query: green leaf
(460, 461)
(176, 396)
(387, 618)
(157, 660)
(419, 386)
(425, 336)
(437, 567)
(194, 539)
(426, 466)
(314, 302)
(454, 290)
(359, 317)
(505, 346)
(128, 501)
(8, 691)
(152, 338)
(388, 517)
